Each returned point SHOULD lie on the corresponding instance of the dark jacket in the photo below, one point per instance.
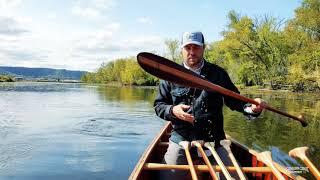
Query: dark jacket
(206, 107)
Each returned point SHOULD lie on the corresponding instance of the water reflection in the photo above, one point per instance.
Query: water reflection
(114, 126)
(38, 87)
(277, 133)
(128, 95)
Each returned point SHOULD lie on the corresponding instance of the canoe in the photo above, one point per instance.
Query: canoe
(150, 162)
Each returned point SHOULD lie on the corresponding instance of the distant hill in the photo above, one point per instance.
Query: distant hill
(37, 73)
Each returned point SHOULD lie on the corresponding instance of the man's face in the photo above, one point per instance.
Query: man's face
(192, 54)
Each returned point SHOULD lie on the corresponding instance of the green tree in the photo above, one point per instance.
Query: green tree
(173, 48)
(307, 18)
(253, 50)
(303, 36)
(125, 71)
(89, 77)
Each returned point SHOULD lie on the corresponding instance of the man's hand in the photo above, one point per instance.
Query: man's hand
(179, 112)
(260, 107)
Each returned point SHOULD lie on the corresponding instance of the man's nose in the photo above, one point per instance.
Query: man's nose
(191, 51)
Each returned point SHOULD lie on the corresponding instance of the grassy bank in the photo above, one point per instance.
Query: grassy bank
(5, 78)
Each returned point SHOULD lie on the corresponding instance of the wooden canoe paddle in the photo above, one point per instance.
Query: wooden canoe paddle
(226, 145)
(186, 147)
(300, 152)
(199, 145)
(173, 72)
(266, 158)
(210, 146)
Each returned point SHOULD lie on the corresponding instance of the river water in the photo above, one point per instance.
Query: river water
(78, 131)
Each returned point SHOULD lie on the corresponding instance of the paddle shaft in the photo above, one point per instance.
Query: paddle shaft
(265, 157)
(206, 160)
(170, 71)
(236, 165)
(312, 168)
(226, 146)
(300, 152)
(218, 160)
(227, 92)
(189, 159)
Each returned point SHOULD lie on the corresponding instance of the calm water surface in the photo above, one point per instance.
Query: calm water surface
(64, 131)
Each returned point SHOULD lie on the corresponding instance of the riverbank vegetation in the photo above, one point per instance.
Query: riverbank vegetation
(5, 78)
(256, 51)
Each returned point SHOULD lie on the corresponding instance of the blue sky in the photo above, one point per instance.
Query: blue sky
(80, 35)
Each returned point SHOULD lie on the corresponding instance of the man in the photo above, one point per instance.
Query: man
(197, 114)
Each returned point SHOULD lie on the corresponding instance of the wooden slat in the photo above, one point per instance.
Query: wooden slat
(158, 166)
(163, 144)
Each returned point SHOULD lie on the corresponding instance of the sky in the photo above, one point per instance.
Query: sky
(83, 34)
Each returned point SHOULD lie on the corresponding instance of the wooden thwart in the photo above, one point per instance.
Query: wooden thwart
(204, 168)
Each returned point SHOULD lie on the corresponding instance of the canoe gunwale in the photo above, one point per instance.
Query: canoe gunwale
(145, 156)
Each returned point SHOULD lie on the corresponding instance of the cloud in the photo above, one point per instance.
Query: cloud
(103, 4)
(7, 6)
(93, 55)
(9, 3)
(11, 26)
(52, 15)
(27, 40)
(94, 41)
(105, 45)
(85, 12)
(110, 43)
(21, 54)
(144, 20)
(91, 9)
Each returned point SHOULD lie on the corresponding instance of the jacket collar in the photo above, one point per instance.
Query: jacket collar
(205, 69)
(198, 70)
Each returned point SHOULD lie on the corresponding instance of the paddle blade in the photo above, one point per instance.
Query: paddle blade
(170, 71)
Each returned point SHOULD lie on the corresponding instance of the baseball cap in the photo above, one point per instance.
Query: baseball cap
(192, 38)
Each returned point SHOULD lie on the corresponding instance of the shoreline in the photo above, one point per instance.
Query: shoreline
(240, 87)
(116, 84)
(44, 81)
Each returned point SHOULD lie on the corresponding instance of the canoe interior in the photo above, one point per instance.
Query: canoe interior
(157, 149)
